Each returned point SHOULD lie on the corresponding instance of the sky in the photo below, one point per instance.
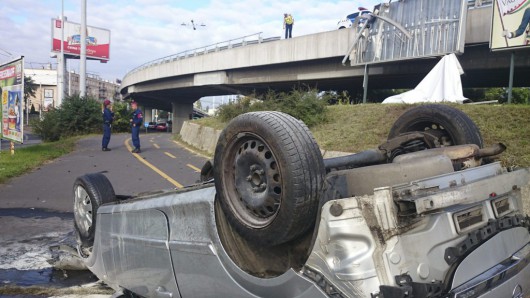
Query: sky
(144, 30)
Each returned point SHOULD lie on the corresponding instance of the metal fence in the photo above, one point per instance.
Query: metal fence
(255, 38)
(436, 28)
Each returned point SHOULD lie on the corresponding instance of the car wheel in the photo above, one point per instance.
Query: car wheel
(450, 125)
(90, 192)
(269, 174)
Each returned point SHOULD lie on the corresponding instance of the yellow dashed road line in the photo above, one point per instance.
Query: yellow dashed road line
(194, 168)
(152, 167)
(170, 155)
(156, 146)
(189, 150)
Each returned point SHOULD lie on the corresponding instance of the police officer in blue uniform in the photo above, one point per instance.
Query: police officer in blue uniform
(108, 117)
(136, 123)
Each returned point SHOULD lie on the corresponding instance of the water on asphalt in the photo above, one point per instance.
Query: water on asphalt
(27, 234)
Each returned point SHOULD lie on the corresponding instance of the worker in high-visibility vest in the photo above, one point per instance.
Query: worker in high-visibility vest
(288, 22)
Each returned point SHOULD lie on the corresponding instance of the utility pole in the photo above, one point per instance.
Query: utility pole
(61, 64)
(82, 58)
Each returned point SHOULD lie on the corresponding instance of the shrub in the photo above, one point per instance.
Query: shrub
(78, 116)
(49, 127)
(306, 105)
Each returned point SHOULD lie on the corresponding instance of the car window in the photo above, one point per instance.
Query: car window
(353, 15)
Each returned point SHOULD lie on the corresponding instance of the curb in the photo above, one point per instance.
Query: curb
(205, 138)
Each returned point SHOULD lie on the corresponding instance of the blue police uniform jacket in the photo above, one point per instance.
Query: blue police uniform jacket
(137, 117)
(108, 116)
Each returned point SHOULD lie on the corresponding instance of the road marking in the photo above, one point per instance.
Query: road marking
(194, 168)
(151, 140)
(156, 146)
(170, 155)
(191, 150)
(152, 167)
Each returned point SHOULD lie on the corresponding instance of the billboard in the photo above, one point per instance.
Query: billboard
(97, 41)
(12, 90)
(434, 28)
(510, 24)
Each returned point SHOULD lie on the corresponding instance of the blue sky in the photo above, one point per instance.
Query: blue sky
(143, 30)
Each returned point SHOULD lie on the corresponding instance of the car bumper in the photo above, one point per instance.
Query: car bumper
(510, 278)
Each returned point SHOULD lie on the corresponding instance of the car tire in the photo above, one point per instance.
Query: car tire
(90, 192)
(453, 126)
(269, 175)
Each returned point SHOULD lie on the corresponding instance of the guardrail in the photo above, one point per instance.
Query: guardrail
(216, 47)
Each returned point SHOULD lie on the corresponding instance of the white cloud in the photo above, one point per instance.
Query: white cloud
(143, 30)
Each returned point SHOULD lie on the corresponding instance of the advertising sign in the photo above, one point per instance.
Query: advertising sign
(97, 41)
(12, 90)
(510, 24)
(48, 99)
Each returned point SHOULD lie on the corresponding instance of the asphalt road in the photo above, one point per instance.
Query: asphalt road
(36, 208)
(50, 186)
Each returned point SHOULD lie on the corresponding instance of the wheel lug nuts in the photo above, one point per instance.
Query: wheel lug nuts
(263, 186)
(261, 172)
(255, 189)
(249, 178)
(253, 167)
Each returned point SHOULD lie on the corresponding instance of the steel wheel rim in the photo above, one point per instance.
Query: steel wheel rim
(82, 210)
(253, 182)
(445, 138)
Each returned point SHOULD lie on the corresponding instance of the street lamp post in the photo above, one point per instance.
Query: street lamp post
(82, 58)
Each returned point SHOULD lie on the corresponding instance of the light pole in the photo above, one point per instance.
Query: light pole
(82, 58)
(61, 66)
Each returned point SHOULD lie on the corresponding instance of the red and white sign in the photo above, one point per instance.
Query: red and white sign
(511, 6)
(97, 41)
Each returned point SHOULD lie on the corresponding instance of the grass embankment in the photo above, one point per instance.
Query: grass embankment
(359, 127)
(29, 158)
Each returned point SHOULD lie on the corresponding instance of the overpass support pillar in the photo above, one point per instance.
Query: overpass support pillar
(148, 114)
(180, 112)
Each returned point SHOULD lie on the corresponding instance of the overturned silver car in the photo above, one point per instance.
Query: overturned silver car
(427, 214)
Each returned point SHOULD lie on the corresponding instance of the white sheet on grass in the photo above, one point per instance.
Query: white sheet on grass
(441, 84)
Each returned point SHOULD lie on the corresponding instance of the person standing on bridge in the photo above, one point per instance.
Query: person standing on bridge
(108, 117)
(288, 22)
(136, 123)
(525, 22)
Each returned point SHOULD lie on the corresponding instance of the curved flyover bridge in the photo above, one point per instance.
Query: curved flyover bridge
(173, 83)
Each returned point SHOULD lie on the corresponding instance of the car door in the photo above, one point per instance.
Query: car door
(141, 260)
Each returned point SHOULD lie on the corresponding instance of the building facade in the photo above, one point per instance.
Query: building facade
(46, 90)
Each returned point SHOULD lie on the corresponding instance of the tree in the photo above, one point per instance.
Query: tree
(198, 104)
(29, 87)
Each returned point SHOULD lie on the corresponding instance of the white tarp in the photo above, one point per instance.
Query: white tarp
(442, 84)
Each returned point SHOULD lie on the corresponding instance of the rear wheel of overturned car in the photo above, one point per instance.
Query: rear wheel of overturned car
(269, 174)
(450, 125)
(90, 192)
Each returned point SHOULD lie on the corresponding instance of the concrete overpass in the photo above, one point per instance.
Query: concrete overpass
(315, 60)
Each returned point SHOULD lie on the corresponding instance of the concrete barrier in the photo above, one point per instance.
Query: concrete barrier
(201, 137)
(205, 138)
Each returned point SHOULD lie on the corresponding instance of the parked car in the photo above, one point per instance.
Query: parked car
(426, 214)
(162, 126)
(151, 126)
(348, 21)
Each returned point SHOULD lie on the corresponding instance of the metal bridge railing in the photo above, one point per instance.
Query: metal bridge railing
(255, 38)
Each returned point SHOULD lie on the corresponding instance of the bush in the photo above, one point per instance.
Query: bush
(49, 127)
(305, 105)
(78, 116)
(121, 117)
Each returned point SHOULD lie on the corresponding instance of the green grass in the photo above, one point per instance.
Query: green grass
(353, 128)
(28, 158)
